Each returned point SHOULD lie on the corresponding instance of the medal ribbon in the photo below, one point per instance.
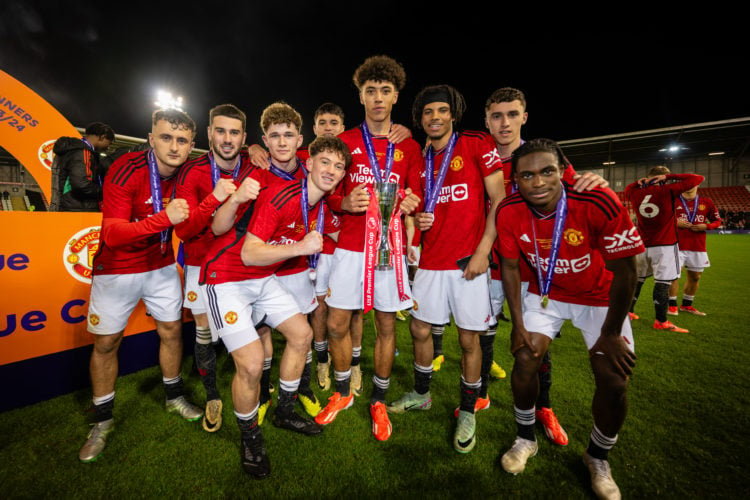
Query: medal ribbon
(156, 199)
(289, 176)
(216, 174)
(561, 213)
(433, 185)
(312, 260)
(395, 240)
(380, 175)
(690, 215)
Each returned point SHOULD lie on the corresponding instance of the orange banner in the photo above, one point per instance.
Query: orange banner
(45, 276)
(29, 127)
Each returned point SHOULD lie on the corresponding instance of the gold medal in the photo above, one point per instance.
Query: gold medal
(545, 301)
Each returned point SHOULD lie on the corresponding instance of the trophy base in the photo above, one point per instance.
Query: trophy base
(384, 267)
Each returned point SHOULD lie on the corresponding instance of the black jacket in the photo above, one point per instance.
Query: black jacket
(76, 177)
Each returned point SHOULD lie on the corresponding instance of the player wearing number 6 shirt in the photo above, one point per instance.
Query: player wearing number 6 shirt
(462, 169)
(135, 261)
(581, 249)
(242, 288)
(652, 199)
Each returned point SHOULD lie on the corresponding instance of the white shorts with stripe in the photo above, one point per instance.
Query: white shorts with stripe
(662, 262)
(346, 284)
(193, 291)
(301, 287)
(589, 319)
(438, 294)
(114, 296)
(323, 274)
(694, 261)
(235, 308)
(497, 298)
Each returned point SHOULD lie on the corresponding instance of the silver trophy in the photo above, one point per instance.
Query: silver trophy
(386, 193)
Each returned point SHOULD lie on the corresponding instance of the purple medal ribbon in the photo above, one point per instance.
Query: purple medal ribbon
(433, 185)
(545, 282)
(216, 174)
(690, 215)
(312, 260)
(380, 175)
(289, 176)
(156, 199)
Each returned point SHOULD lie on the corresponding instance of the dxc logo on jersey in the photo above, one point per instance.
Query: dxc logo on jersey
(624, 240)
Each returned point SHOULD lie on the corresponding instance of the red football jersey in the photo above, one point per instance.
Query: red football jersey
(461, 209)
(597, 228)
(568, 175)
(706, 213)
(407, 167)
(195, 185)
(653, 205)
(131, 241)
(276, 218)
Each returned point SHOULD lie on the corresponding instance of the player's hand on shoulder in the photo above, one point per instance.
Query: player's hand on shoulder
(223, 189)
(398, 133)
(588, 181)
(177, 210)
(258, 156)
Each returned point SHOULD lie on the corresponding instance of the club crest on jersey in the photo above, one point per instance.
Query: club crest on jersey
(398, 155)
(573, 237)
(93, 319)
(230, 317)
(191, 296)
(701, 207)
(457, 163)
(79, 251)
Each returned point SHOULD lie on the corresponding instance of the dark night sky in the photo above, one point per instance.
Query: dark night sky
(98, 61)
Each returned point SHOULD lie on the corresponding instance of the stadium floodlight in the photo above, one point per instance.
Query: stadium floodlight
(165, 100)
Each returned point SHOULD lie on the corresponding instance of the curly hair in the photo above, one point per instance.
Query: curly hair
(505, 94)
(332, 144)
(176, 118)
(380, 69)
(280, 113)
(228, 110)
(100, 129)
(539, 146)
(438, 93)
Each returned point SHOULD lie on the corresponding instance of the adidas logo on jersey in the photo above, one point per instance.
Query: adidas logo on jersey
(525, 238)
(357, 152)
(291, 226)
